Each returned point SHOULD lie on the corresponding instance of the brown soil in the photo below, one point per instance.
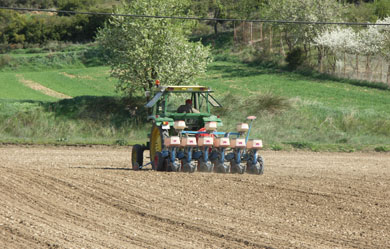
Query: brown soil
(69, 197)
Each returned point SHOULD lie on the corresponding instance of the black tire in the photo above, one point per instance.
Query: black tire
(156, 143)
(159, 163)
(174, 167)
(188, 167)
(205, 166)
(221, 168)
(258, 168)
(137, 156)
(236, 168)
(260, 161)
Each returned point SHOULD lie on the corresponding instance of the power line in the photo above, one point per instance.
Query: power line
(197, 18)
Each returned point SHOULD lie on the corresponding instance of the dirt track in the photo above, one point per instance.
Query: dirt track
(67, 197)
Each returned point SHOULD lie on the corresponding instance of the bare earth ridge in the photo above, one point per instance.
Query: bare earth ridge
(38, 87)
(87, 197)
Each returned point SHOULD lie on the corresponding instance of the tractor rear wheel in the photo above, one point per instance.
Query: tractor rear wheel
(159, 163)
(157, 136)
(137, 156)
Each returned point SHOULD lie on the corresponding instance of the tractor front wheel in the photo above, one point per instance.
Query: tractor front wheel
(137, 157)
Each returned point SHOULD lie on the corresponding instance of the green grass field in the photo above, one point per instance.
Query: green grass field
(294, 111)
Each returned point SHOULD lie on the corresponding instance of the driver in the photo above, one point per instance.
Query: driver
(187, 108)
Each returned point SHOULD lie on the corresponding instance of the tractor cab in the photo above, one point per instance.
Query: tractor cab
(189, 103)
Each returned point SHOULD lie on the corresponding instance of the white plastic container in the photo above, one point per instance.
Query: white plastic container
(211, 126)
(205, 141)
(242, 127)
(237, 143)
(254, 144)
(172, 141)
(179, 125)
(188, 142)
(223, 142)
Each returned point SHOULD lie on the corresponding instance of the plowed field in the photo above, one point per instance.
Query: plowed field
(87, 197)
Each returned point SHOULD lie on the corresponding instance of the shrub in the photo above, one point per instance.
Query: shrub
(5, 60)
(382, 149)
(295, 58)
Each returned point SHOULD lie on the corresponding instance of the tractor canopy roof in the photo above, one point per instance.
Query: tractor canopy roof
(203, 91)
(183, 89)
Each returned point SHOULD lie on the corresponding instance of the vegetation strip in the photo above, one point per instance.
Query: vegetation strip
(38, 87)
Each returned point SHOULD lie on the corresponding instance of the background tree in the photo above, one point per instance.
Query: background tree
(385, 51)
(142, 50)
(212, 9)
(303, 10)
(338, 41)
(382, 8)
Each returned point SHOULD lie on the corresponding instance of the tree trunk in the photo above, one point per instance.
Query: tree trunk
(289, 44)
(345, 67)
(381, 71)
(270, 39)
(368, 67)
(261, 31)
(282, 52)
(357, 66)
(388, 73)
(235, 33)
(251, 33)
(243, 32)
(216, 15)
(320, 59)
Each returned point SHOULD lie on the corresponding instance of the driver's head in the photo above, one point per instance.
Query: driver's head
(188, 102)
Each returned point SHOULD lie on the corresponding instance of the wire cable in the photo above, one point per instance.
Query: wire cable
(198, 18)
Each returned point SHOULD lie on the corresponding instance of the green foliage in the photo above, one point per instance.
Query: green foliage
(38, 59)
(303, 10)
(295, 58)
(257, 104)
(42, 28)
(74, 5)
(300, 145)
(293, 111)
(29, 3)
(77, 121)
(382, 149)
(79, 82)
(5, 60)
(319, 112)
(11, 26)
(382, 8)
(221, 9)
(363, 12)
(142, 50)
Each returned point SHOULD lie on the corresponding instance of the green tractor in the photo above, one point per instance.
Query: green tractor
(184, 135)
(165, 110)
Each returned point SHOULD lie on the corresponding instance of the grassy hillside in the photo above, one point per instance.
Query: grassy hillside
(306, 113)
(293, 111)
